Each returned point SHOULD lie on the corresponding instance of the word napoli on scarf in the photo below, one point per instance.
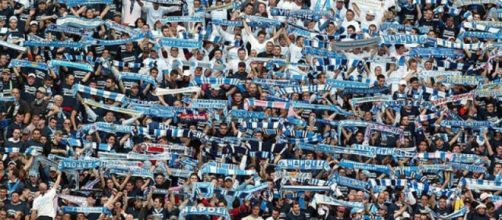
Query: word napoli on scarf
(25, 63)
(174, 42)
(362, 166)
(454, 98)
(436, 52)
(302, 14)
(209, 104)
(155, 111)
(198, 210)
(404, 39)
(303, 165)
(100, 93)
(12, 46)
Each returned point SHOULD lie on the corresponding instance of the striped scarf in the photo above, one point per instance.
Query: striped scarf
(224, 169)
(215, 81)
(26, 63)
(458, 45)
(302, 89)
(303, 164)
(362, 166)
(454, 98)
(348, 182)
(100, 93)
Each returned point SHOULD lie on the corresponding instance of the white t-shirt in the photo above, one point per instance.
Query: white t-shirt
(44, 204)
(129, 17)
(295, 53)
(153, 15)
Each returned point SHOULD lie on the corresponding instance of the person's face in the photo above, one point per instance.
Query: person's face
(275, 214)
(159, 179)
(261, 39)
(15, 197)
(490, 108)
(238, 97)
(217, 55)
(193, 179)
(241, 54)
(109, 184)
(248, 10)
(481, 211)
(277, 51)
(256, 211)
(349, 15)
(89, 13)
(270, 47)
(13, 24)
(31, 80)
(157, 203)
(16, 134)
(52, 123)
(42, 187)
(296, 208)
(359, 137)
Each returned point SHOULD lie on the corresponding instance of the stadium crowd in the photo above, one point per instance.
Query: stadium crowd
(256, 109)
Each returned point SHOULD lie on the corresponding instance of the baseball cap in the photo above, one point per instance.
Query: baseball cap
(53, 169)
(32, 75)
(403, 82)
(484, 196)
(42, 90)
(33, 22)
(13, 18)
